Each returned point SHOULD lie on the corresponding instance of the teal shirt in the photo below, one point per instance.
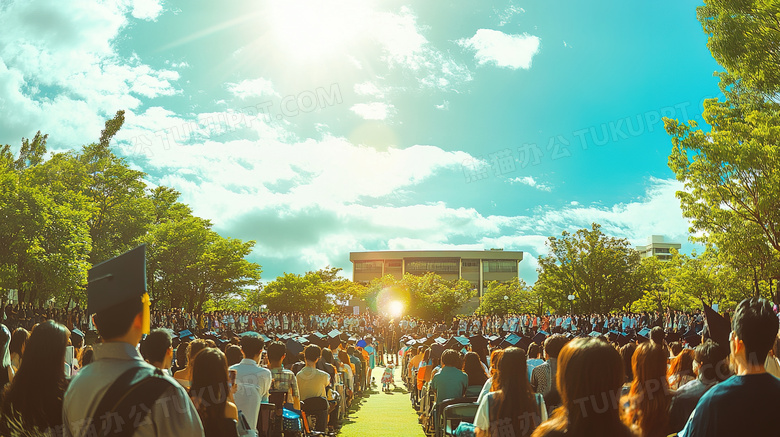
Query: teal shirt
(449, 383)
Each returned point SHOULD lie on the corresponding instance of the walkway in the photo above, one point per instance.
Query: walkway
(382, 414)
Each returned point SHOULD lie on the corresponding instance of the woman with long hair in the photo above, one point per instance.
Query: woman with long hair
(681, 369)
(34, 397)
(212, 394)
(590, 374)
(512, 403)
(472, 367)
(16, 347)
(184, 376)
(649, 398)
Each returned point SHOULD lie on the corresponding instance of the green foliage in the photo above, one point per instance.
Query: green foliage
(744, 37)
(428, 296)
(603, 273)
(297, 293)
(73, 210)
(520, 298)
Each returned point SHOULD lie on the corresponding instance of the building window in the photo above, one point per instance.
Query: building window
(436, 266)
(470, 263)
(499, 266)
(368, 266)
(394, 264)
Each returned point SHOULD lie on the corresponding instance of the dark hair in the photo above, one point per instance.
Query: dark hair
(649, 397)
(87, 356)
(18, 338)
(450, 358)
(252, 345)
(473, 368)
(533, 350)
(514, 398)
(37, 390)
(155, 345)
(181, 355)
(627, 353)
(209, 388)
(657, 335)
(327, 356)
(194, 348)
(233, 354)
(756, 326)
(589, 369)
(276, 351)
(554, 344)
(675, 348)
(312, 352)
(712, 361)
(115, 321)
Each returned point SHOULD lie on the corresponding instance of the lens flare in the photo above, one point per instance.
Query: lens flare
(396, 308)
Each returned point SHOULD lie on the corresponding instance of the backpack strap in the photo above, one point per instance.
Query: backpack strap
(128, 401)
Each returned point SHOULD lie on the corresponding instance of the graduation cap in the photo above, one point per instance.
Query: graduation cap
(643, 335)
(478, 342)
(294, 347)
(510, 340)
(457, 343)
(623, 339)
(265, 338)
(249, 333)
(117, 280)
(186, 335)
(334, 333)
(717, 326)
(440, 340)
(524, 343)
(318, 339)
(594, 334)
(495, 340)
(673, 336)
(540, 337)
(436, 351)
(77, 333)
(692, 339)
(334, 342)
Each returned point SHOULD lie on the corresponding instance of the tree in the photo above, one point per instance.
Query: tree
(519, 298)
(603, 273)
(744, 37)
(296, 293)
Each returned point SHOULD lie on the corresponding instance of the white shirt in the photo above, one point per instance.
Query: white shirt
(482, 419)
(252, 383)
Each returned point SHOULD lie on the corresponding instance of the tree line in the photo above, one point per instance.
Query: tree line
(61, 213)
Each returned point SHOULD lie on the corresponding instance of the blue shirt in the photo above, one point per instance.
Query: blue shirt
(739, 406)
(450, 383)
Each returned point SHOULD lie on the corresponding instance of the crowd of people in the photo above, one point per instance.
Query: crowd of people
(521, 374)
(723, 384)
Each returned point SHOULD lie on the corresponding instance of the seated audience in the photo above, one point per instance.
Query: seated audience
(534, 358)
(233, 354)
(746, 403)
(16, 347)
(472, 367)
(590, 374)
(184, 376)
(281, 378)
(313, 383)
(681, 369)
(252, 381)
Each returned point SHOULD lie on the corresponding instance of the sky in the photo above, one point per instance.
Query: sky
(319, 127)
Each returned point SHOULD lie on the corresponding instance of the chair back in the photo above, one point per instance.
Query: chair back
(315, 404)
(278, 398)
(266, 419)
(453, 414)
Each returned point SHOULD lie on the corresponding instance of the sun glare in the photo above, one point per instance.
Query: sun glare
(396, 308)
(311, 29)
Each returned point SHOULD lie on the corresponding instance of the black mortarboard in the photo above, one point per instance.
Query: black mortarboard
(117, 280)
(672, 336)
(334, 342)
(540, 337)
(717, 326)
(186, 335)
(623, 339)
(478, 342)
(436, 351)
(318, 339)
(523, 343)
(77, 333)
(294, 347)
(495, 340)
(692, 339)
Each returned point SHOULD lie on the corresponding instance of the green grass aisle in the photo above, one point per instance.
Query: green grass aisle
(382, 414)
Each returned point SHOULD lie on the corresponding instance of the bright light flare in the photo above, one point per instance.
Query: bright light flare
(396, 308)
(310, 29)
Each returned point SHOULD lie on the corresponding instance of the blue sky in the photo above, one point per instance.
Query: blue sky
(318, 128)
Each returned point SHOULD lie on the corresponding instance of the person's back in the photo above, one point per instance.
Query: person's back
(252, 381)
(450, 382)
(746, 403)
(121, 317)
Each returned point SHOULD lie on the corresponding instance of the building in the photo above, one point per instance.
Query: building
(657, 247)
(476, 266)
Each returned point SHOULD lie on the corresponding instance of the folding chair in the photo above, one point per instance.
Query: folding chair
(310, 408)
(266, 419)
(277, 398)
(438, 417)
(453, 414)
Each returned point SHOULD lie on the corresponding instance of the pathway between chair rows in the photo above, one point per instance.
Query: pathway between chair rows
(383, 414)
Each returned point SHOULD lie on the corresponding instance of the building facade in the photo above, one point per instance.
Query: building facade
(476, 266)
(658, 247)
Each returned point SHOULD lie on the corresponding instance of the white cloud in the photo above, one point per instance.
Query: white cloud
(372, 111)
(505, 16)
(495, 47)
(252, 88)
(444, 106)
(531, 182)
(368, 89)
(147, 9)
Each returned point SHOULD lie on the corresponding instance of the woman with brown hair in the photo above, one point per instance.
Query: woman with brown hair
(590, 373)
(512, 404)
(647, 403)
(184, 376)
(472, 367)
(681, 369)
(212, 395)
